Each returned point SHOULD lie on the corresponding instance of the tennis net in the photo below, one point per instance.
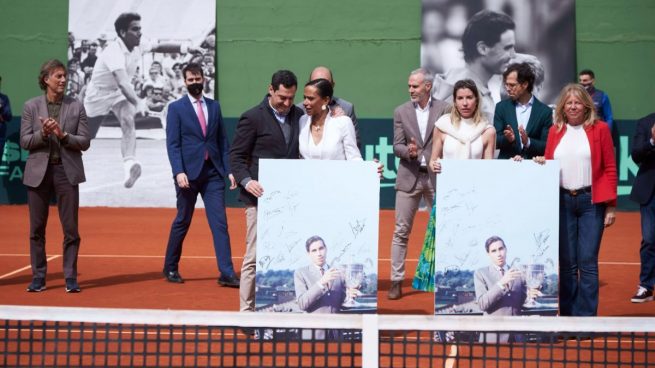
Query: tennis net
(98, 337)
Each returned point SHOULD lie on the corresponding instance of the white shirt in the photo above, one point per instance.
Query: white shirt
(115, 57)
(338, 141)
(195, 107)
(422, 119)
(574, 155)
(523, 116)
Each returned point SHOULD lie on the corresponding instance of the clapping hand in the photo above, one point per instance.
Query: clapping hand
(524, 136)
(509, 133)
(412, 149)
(51, 126)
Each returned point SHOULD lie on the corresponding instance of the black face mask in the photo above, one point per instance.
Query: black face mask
(195, 89)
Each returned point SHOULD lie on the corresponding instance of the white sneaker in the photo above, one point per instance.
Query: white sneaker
(642, 295)
(132, 173)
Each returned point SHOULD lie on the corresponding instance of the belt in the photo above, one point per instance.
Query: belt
(575, 192)
(423, 169)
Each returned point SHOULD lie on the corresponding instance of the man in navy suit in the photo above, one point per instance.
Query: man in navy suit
(522, 121)
(643, 192)
(198, 152)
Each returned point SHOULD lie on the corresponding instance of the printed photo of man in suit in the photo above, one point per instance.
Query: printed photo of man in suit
(54, 130)
(319, 288)
(198, 149)
(499, 290)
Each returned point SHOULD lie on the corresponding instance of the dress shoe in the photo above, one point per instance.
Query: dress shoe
(173, 276)
(395, 291)
(37, 284)
(72, 286)
(229, 281)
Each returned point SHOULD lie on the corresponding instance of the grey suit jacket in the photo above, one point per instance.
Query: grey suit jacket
(312, 298)
(494, 301)
(405, 127)
(72, 119)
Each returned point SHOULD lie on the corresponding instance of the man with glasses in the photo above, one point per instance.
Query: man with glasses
(521, 121)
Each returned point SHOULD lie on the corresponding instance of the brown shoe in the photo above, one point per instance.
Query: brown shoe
(395, 291)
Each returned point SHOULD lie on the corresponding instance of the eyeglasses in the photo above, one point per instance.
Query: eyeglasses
(511, 85)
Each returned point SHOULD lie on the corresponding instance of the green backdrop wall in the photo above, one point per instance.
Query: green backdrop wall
(370, 44)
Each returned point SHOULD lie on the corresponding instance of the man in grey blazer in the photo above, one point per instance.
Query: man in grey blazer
(499, 290)
(54, 130)
(413, 124)
(319, 288)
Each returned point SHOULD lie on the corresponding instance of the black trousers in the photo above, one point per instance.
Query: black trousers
(68, 203)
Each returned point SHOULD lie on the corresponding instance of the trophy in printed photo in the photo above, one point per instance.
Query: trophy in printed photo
(534, 278)
(354, 276)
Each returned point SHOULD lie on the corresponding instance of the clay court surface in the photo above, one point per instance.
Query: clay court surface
(122, 253)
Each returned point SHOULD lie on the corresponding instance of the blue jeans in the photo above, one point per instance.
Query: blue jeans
(647, 250)
(581, 225)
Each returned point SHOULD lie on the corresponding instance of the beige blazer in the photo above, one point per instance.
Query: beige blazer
(72, 119)
(405, 127)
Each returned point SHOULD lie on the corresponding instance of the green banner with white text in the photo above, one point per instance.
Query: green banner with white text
(377, 142)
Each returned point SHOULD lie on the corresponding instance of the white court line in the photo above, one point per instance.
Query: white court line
(237, 257)
(26, 267)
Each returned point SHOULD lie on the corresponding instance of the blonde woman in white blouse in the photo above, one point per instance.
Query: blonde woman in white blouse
(323, 136)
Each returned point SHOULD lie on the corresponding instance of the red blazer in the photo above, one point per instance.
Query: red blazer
(603, 162)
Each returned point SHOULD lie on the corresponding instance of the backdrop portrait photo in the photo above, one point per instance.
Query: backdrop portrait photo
(477, 39)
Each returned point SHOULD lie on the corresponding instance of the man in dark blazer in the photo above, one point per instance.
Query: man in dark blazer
(198, 152)
(267, 131)
(54, 130)
(413, 124)
(499, 291)
(643, 189)
(522, 121)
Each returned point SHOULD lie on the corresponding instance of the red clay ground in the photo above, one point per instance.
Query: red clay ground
(122, 250)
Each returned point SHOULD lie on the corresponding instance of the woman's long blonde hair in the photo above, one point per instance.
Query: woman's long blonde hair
(574, 89)
(455, 116)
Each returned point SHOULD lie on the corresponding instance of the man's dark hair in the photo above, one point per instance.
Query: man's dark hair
(47, 68)
(524, 73)
(312, 240)
(193, 68)
(285, 78)
(123, 21)
(588, 72)
(492, 240)
(485, 26)
(323, 87)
